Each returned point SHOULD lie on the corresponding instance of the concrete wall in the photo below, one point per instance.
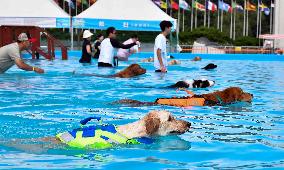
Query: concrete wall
(279, 22)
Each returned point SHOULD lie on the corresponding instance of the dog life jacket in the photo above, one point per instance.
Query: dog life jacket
(181, 101)
(196, 100)
(98, 137)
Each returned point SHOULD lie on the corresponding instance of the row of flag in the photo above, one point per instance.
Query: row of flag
(185, 6)
(71, 3)
(211, 6)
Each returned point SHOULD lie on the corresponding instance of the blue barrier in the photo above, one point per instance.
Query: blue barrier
(254, 57)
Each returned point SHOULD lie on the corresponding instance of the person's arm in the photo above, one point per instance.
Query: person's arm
(98, 45)
(187, 91)
(22, 65)
(88, 48)
(116, 44)
(159, 56)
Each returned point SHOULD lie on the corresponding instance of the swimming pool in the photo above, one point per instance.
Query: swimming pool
(243, 136)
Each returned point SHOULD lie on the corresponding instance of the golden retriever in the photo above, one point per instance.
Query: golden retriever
(155, 123)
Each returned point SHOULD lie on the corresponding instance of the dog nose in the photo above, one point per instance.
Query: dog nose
(188, 124)
(251, 95)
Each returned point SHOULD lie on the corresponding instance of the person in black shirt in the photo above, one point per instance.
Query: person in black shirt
(86, 47)
(108, 45)
(97, 45)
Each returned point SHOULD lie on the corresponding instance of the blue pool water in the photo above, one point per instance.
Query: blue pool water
(240, 136)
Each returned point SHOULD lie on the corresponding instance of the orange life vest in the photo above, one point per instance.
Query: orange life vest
(181, 102)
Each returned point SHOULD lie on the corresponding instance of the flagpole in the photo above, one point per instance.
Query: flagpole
(234, 32)
(218, 20)
(231, 23)
(209, 12)
(247, 18)
(260, 14)
(257, 20)
(244, 25)
(82, 5)
(178, 20)
(222, 18)
(167, 6)
(71, 28)
(183, 20)
(191, 19)
(205, 13)
(171, 11)
(195, 18)
(76, 11)
(271, 12)
(63, 4)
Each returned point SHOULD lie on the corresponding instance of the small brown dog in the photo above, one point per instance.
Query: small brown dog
(197, 58)
(172, 62)
(227, 96)
(130, 71)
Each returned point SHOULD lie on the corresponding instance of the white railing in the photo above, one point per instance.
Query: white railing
(230, 50)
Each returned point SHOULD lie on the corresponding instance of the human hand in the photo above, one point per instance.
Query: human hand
(38, 70)
(163, 69)
(138, 43)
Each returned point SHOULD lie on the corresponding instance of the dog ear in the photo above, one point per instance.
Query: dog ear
(152, 125)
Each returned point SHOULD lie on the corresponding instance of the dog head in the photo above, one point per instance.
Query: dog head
(230, 95)
(203, 83)
(197, 58)
(210, 66)
(163, 123)
(174, 62)
(131, 71)
(237, 94)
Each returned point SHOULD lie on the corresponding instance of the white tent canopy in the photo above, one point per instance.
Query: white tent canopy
(140, 15)
(42, 13)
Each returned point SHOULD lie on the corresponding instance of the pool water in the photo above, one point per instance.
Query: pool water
(238, 136)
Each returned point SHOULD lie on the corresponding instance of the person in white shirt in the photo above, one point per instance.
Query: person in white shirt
(108, 45)
(123, 54)
(160, 47)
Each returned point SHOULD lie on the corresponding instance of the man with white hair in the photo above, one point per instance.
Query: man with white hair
(11, 54)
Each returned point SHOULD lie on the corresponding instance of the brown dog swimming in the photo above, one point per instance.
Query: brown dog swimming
(227, 96)
(130, 71)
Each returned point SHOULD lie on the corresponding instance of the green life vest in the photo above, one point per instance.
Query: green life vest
(97, 137)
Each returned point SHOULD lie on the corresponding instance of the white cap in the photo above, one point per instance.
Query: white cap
(24, 37)
(87, 34)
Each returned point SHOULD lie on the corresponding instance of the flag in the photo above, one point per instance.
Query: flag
(93, 1)
(272, 5)
(264, 9)
(224, 6)
(174, 5)
(56, 1)
(198, 6)
(79, 2)
(183, 5)
(164, 5)
(157, 2)
(70, 3)
(250, 7)
(237, 6)
(211, 6)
